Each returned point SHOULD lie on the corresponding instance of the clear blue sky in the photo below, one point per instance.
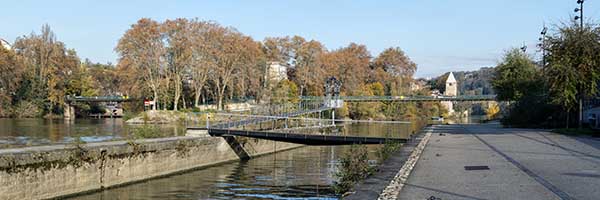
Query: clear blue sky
(439, 36)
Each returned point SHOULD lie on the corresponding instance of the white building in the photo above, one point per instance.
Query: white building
(276, 72)
(451, 86)
(451, 91)
(5, 44)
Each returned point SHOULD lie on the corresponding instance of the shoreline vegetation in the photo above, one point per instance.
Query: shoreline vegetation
(578, 132)
(552, 94)
(182, 64)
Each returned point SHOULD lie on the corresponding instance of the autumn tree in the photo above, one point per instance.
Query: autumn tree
(179, 53)
(309, 74)
(11, 70)
(49, 65)
(105, 76)
(392, 66)
(237, 52)
(204, 44)
(142, 48)
(395, 62)
(277, 49)
(350, 64)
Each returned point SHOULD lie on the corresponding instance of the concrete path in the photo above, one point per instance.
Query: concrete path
(523, 164)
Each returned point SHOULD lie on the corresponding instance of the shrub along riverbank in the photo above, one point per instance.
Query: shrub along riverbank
(552, 95)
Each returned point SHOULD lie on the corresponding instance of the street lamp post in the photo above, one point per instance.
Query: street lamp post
(580, 11)
(580, 18)
(542, 46)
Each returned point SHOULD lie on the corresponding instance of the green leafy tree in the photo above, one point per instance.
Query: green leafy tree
(573, 69)
(514, 76)
(285, 92)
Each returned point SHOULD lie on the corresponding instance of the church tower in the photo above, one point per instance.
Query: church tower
(451, 91)
(451, 86)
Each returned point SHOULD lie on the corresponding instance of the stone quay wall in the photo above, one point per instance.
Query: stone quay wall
(62, 170)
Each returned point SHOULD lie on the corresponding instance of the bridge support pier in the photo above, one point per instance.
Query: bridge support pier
(319, 118)
(69, 112)
(332, 117)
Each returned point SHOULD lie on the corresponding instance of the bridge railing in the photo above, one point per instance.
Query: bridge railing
(313, 126)
(406, 98)
(282, 108)
(98, 98)
(229, 119)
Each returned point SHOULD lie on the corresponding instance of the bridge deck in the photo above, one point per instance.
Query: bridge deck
(306, 139)
(99, 99)
(405, 98)
(259, 120)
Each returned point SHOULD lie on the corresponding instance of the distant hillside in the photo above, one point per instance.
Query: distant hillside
(469, 82)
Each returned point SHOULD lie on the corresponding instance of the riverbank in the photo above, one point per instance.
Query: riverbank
(167, 117)
(384, 182)
(62, 170)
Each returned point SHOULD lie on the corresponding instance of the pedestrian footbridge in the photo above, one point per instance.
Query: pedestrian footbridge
(298, 138)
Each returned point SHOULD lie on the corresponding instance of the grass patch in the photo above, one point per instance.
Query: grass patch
(145, 131)
(578, 132)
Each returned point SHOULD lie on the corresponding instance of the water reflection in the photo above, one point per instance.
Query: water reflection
(27, 132)
(471, 119)
(390, 129)
(303, 173)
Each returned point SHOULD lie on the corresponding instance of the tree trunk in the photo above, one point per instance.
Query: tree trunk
(568, 114)
(155, 100)
(220, 94)
(183, 101)
(580, 115)
(220, 102)
(177, 95)
(197, 98)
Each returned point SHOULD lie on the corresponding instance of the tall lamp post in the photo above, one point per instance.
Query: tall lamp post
(580, 11)
(542, 46)
(580, 18)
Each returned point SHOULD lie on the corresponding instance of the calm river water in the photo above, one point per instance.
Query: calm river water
(29, 132)
(302, 173)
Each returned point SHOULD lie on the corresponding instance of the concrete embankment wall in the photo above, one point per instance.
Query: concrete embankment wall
(59, 170)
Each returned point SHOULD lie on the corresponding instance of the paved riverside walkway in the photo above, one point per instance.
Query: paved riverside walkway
(523, 164)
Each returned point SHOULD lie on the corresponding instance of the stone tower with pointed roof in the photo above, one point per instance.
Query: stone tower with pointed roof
(452, 91)
(451, 86)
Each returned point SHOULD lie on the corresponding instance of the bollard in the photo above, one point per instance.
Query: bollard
(332, 117)
(207, 121)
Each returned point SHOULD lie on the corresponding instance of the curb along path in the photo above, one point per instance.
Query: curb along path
(393, 189)
(388, 174)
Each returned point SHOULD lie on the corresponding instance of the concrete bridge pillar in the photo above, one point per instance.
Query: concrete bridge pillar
(69, 112)
(449, 105)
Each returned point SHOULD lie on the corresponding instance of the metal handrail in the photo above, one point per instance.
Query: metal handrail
(405, 98)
